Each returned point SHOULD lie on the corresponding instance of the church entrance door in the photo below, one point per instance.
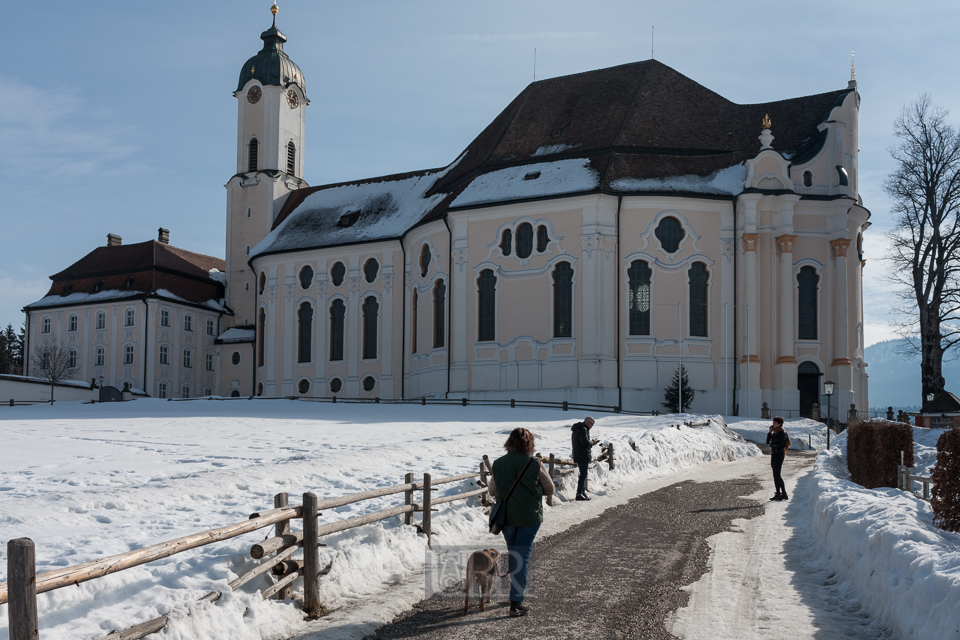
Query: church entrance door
(808, 382)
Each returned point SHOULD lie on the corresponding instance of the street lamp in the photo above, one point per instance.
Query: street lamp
(828, 388)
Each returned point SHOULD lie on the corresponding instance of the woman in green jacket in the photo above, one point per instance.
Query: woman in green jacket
(524, 509)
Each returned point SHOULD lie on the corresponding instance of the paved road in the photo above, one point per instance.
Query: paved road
(615, 576)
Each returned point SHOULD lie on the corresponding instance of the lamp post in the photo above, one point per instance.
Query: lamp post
(828, 388)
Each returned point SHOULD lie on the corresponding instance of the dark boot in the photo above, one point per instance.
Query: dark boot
(777, 496)
(518, 609)
(783, 496)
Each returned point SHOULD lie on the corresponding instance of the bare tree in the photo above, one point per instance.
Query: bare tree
(53, 363)
(925, 189)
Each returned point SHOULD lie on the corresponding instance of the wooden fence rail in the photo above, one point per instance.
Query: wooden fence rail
(23, 584)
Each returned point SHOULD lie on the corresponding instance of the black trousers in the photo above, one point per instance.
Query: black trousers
(776, 461)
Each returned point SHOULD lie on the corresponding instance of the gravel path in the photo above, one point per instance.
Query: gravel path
(615, 576)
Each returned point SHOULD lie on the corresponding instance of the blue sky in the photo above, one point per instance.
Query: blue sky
(118, 117)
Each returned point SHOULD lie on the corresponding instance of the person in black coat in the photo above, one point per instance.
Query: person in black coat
(581, 453)
(779, 442)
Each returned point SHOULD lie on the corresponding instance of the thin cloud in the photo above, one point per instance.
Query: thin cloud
(54, 134)
(521, 37)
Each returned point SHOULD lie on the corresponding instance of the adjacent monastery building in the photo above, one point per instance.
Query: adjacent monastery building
(604, 226)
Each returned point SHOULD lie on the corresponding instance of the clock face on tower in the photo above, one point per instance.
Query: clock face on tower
(253, 95)
(292, 99)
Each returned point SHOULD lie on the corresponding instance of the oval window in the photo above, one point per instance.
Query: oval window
(524, 240)
(335, 385)
(337, 273)
(371, 269)
(303, 386)
(425, 261)
(669, 233)
(306, 276)
(259, 388)
(369, 383)
(235, 358)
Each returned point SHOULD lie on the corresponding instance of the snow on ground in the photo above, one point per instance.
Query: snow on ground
(836, 561)
(87, 481)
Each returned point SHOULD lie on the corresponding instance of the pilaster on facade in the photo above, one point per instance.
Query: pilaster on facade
(271, 373)
(386, 382)
(289, 323)
(460, 288)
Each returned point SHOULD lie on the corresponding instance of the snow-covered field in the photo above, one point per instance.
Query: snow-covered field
(87, 481)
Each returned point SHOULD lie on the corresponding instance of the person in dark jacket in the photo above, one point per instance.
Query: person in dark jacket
(581, 453)
(524, 509)
(779, 442)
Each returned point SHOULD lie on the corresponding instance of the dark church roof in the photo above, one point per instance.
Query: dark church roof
(271, 66)
(635, 128)
(144, 269)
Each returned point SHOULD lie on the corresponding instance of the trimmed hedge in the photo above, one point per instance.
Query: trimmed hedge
(873, 451)
(945, 497)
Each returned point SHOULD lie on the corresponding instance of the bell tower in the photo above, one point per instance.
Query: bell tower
(271, 97)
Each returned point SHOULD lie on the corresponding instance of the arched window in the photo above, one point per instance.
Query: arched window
(235, 393)
(669, 233)
(698, 299)
(424, 261)
(261, 336)
(416, 302)
(543, 239)
(808, 178)
(370, 310)
(306, 276)
(486, 306)
(253, 154)
(562, 300)
(807, 280)
(370, 269)
(524, 240)
(439, 302)
(338, 312)
(337, 273)
(304, 332)
(263, 282)
(73, 323)
(506, 240)
(639, 298)
(291, 158)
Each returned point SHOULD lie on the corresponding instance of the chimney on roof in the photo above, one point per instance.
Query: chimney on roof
(113, 240)
(164, 236)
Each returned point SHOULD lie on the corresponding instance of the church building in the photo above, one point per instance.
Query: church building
(604, 228)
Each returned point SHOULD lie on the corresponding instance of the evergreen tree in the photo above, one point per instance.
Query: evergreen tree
(671, 395)
(18, 342)
(6, 351)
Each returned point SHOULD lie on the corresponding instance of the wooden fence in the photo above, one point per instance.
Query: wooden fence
(23, 583)
(905, 479)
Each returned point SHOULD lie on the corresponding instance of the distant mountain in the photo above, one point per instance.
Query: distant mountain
(895, 377)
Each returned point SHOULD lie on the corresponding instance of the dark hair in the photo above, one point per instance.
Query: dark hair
(778, 420)
(520, 441)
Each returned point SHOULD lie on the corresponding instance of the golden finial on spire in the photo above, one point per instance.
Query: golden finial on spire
(274, 9)
(853, 69)
(766, 121)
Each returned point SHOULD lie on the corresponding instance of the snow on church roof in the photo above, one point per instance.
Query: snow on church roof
(530, 181)
(378, 209)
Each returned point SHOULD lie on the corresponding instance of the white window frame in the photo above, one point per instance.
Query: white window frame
(45, 325)
(129, 318)
(164, 354)
(187, 359)
(162, 390)
(164, 317)
(99, 357)
(209, 362)
(188, 322)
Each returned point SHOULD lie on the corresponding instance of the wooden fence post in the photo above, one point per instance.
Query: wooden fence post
(408, 500)
(610, 455)
(311, 557)
(485, 498)
(427, 502)
(22, 590)
(551, 464)
(281, 529)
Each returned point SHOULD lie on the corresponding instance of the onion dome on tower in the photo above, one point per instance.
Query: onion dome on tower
(271, 66)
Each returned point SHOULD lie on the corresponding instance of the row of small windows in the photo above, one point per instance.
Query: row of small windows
(128, 358)
(524, 240)
(130, 321)
(253, 156)
(371, 269)
(184, 391)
